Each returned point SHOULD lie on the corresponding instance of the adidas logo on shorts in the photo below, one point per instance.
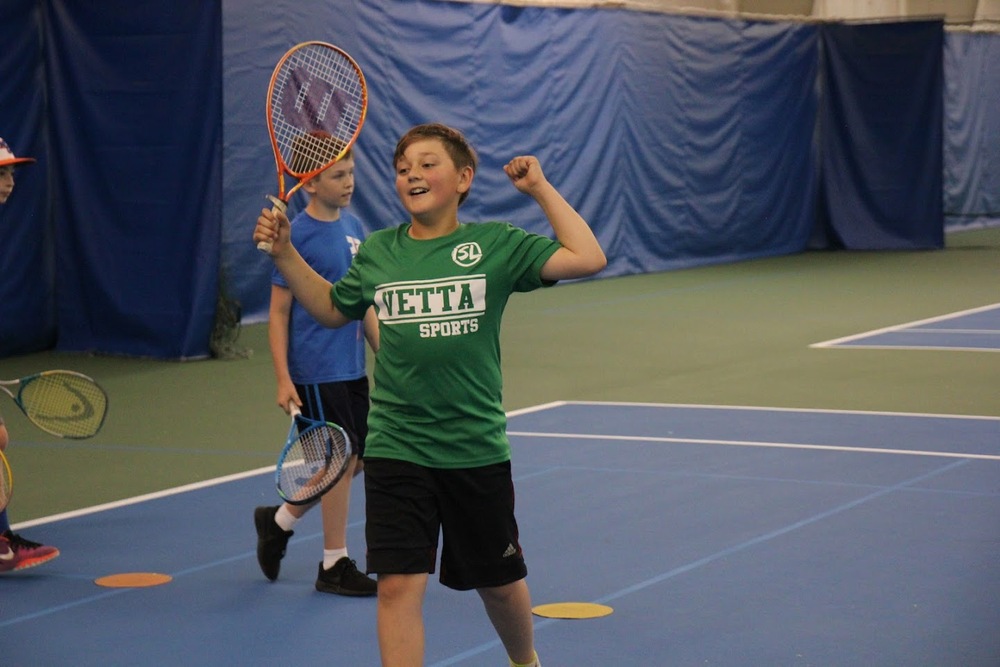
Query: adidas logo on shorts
(511, 551)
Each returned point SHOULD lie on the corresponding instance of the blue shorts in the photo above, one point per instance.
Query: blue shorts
(472, 509)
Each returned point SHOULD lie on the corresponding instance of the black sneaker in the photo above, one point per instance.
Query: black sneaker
(271, 541)
(344, 578)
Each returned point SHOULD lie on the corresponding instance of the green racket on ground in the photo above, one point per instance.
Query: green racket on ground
(64, 403)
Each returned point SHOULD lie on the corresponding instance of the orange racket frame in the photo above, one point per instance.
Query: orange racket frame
(317, 102)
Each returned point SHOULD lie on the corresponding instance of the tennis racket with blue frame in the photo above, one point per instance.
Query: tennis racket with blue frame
(315, 457)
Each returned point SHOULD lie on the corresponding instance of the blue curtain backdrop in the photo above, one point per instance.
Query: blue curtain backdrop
(136, 91)
(27, 305)
(684, 140)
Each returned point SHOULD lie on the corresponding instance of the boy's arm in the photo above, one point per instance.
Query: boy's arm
(279, 316)
(581, 254)
(310, 288)
(371, 329)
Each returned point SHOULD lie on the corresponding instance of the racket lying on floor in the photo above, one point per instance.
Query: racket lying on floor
(316, 105)
(64, 403)
(6, 482)
(314, 458)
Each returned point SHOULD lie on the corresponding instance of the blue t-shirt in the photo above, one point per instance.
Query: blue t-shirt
(316, 353)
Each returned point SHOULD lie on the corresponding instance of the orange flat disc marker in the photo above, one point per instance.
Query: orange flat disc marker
(133, 580)
(572, 610)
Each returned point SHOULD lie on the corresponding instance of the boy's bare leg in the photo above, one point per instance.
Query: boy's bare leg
(400, 619)
(336, 505)
(509, 609)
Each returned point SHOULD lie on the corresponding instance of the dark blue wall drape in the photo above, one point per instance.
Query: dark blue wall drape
(112, 239)
(881, 129)
(27, 306)
(136, 92)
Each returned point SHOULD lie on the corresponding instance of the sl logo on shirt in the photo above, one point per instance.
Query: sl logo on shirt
(467, 254)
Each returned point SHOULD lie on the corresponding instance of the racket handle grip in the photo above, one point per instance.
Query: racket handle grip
(277, 205)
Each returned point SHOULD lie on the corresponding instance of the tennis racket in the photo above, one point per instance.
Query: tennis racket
(314, 458)
(316, 105)
(6, 482)
(64, 403)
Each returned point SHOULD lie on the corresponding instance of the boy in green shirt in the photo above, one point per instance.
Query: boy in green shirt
(437, 457)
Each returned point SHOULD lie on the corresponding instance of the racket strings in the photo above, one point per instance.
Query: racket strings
(317, 106)
(315, 460)
(64, 404)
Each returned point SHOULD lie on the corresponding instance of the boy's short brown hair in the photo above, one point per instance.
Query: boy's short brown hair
(459, 149)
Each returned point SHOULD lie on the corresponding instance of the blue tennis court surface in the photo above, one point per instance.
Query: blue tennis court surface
(719, 535)
(976, 330)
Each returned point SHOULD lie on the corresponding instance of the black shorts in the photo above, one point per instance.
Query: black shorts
(408, 506)
(343, 403)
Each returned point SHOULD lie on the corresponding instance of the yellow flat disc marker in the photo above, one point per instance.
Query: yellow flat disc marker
(572, 610)
(133, 580)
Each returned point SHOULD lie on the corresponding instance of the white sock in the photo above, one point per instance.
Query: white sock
(285, 519)
(331, 556)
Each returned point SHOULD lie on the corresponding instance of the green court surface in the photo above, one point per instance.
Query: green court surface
(736, 334)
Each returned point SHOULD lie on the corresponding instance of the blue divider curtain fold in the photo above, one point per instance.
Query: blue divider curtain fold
(972, 129)
(27, 306)
(135, 93)
(881, 129)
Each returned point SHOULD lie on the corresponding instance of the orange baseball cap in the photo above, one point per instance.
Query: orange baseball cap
(7, 156)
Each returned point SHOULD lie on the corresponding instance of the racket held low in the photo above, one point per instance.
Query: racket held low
(312, 463)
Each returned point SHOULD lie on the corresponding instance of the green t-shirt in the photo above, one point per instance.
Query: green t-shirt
(438, 387)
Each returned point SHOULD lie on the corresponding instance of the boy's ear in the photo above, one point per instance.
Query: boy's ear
(465, 177)
(309, 186)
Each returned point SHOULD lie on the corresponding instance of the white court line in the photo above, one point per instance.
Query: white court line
(538, 408)
(754, 443)
(985, 332)
(757, 408)
(199, 485)
(143, 498)
(932, 348)
(898, 327)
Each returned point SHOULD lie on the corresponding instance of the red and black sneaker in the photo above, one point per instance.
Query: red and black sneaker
(17, 553)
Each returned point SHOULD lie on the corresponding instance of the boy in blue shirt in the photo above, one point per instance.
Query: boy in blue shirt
(322, 371)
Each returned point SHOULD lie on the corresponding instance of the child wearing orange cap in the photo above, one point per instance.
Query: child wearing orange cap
(16, 553)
